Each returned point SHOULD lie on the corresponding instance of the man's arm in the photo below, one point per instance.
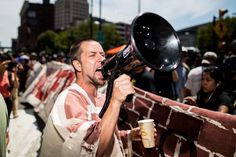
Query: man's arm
(122, 87)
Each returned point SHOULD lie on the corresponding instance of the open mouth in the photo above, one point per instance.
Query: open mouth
(99, 73)
(99, 69)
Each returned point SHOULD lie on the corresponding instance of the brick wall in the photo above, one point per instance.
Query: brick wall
(212, 134)
(181, 129)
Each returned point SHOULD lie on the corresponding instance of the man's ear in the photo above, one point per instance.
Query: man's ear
(76, 64)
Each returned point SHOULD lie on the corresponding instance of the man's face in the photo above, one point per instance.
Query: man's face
(91, 59)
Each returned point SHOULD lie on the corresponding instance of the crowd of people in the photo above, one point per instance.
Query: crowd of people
(14, 71)
(188, 82)
(206, 80)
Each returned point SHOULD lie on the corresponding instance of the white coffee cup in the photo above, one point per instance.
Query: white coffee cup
(147, 132)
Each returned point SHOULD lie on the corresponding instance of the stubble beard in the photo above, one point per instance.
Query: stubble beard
(98, 82)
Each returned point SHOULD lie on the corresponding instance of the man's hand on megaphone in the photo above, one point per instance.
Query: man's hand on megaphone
(122, 87)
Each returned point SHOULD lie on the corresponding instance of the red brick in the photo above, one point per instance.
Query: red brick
(159, 132)
(133, 118)
(169, 145)
(139, 91)
(185, 123)
(138, 147)
(202, 153)
(185, 149)
(228, 121)
(160, 114)
(153, 96)
(217, 139)
(208, 136)
(142, 105)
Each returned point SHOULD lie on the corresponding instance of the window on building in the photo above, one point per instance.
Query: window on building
(31, 14)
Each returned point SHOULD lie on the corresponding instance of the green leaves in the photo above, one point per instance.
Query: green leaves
(54, 42)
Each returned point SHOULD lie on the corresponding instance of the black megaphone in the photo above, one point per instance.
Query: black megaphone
(153, 42)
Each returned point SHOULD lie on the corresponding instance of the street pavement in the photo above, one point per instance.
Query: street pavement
(25, 134)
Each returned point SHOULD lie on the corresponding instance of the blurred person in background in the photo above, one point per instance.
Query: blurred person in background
(23, 75)
(33, 59)
(61, 57)
(211, 95)
(9, 83)
(182, 71)
(229, 68)
(3, 127)
(14, 81)
(193, 82)
(43, 57)
(5, 85)
(165, 83)
(143, 78)
(34, 65)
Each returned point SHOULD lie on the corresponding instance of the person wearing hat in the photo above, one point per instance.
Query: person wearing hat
(193, 83)
(209, 58)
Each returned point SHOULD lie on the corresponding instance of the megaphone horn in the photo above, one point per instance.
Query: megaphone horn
(153, 42)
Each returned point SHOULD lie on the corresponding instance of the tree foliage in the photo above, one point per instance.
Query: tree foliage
(53, 42)
(48, 41)
(111, 37)
(207, 39)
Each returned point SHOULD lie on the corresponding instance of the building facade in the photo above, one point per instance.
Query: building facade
(188, 37)
(70, 13)
(35, 18)
(124, 30)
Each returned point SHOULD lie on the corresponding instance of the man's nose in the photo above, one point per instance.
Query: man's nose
(103, 61)
(101, 58)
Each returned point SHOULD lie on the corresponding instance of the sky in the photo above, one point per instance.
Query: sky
(179, 13)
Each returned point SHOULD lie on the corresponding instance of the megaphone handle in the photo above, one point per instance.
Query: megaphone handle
(108, 97)
(110, 87)
(130, 96)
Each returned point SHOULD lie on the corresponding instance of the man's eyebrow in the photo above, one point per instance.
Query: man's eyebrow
(93, 52)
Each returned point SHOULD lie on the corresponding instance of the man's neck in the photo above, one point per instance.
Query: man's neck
(90, 89)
